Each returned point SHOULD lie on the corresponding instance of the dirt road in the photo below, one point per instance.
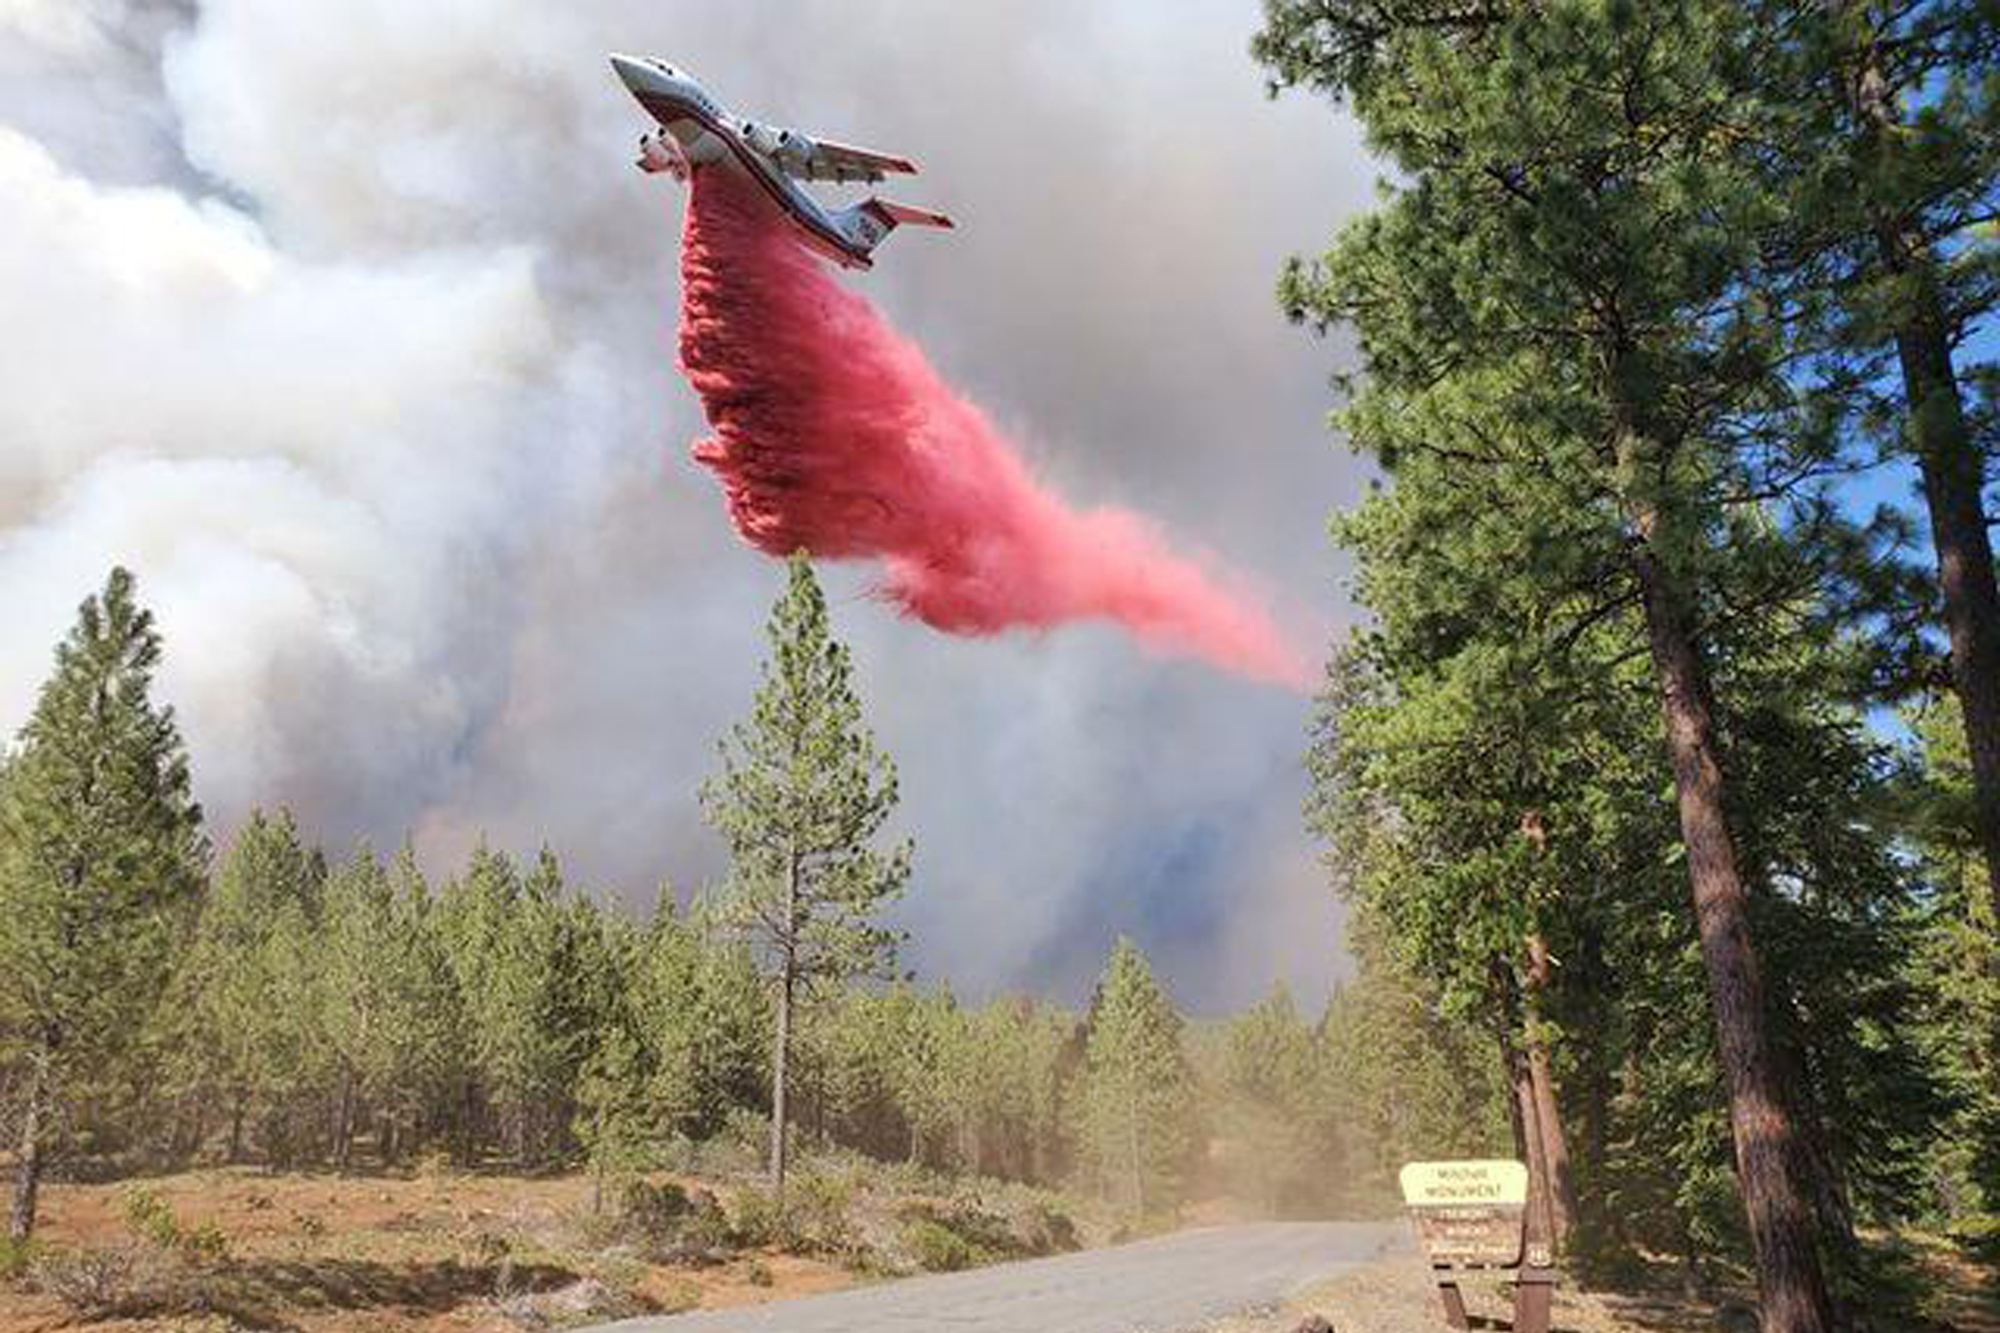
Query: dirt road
(1166, 1285)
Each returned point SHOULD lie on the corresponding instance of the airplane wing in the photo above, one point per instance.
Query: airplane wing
(842, 162)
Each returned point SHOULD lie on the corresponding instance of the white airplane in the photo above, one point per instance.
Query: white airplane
(696, 132)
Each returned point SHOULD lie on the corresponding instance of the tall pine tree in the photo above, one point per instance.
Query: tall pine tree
(1138, 1092)
(802, 796)
(101, 855)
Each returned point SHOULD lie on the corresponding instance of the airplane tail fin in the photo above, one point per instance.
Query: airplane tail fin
(869, 222)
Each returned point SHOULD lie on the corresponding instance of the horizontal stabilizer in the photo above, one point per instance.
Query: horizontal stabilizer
(894, 213)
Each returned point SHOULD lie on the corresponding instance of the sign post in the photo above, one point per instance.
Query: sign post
(1474, 1215)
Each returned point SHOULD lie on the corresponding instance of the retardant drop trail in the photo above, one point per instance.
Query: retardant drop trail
(832, 433)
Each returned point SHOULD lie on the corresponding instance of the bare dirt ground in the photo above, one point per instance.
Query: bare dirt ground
(387, 1255)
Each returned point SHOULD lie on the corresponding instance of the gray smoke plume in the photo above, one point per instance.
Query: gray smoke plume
(350, 329)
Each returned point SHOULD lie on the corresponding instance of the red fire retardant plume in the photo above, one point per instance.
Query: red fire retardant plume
(832, 433)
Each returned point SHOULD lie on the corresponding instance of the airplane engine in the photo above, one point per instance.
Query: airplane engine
(661, 152)
(762, 137)
(794, 149)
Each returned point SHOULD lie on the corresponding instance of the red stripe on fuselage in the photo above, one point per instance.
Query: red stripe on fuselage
(667, 110)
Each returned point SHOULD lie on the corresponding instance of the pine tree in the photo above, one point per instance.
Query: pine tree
(698, 1002)
(1891, 155)
(365, 1011)
(476, 917)
(614, 1121)
(1959, 967)
(802, 795)
(228, 1012)
(1138, 1096)
(1278, 1142)
(920, 1072)
(1400, 1080)
(101, 851)
(427, 1057)
(1564, 332)
(297, 1069)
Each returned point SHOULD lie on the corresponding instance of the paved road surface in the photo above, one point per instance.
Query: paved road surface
(1166, 1285)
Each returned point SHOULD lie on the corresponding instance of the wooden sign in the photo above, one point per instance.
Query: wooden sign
(1475, 1215)
(1468, 1214)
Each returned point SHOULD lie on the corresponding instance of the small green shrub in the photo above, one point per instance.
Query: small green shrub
(817, 1214)
(149, 1217)
(936, 1247)
(16, 1258)
(758, 1273)
(1045, 1230)
(205, 1244)
(652, 1210)
(757, 1219)
(706, 1227)
(666, 1223)
(812, 1220)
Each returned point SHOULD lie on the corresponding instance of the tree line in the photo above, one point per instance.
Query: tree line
(1668, 763)
(163, 1004)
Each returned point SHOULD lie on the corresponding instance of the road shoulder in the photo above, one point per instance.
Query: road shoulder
(1395, 1294)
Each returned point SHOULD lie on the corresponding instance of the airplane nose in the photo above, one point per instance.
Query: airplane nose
(632, 71)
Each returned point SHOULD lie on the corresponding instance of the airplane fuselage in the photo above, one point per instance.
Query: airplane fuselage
(707, 136)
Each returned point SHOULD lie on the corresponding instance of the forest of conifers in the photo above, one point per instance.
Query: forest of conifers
(164, 1004)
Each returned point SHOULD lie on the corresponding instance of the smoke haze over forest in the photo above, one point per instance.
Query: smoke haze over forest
(350, 329)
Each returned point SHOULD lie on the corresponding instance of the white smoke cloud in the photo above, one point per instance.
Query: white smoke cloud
(350, 330)
(298, 457)
(83, 78)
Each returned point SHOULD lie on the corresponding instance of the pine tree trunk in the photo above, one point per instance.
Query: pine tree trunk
(1839, 1243)
(781, 1047)
(1769, 1160)
(1541, 1082)
(235, 1128)
(343, 1136)
(1132, 1148)
(780, 1053)
(1953, 477)
(28, 1165)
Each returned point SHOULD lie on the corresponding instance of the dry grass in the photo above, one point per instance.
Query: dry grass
(321, 1254)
